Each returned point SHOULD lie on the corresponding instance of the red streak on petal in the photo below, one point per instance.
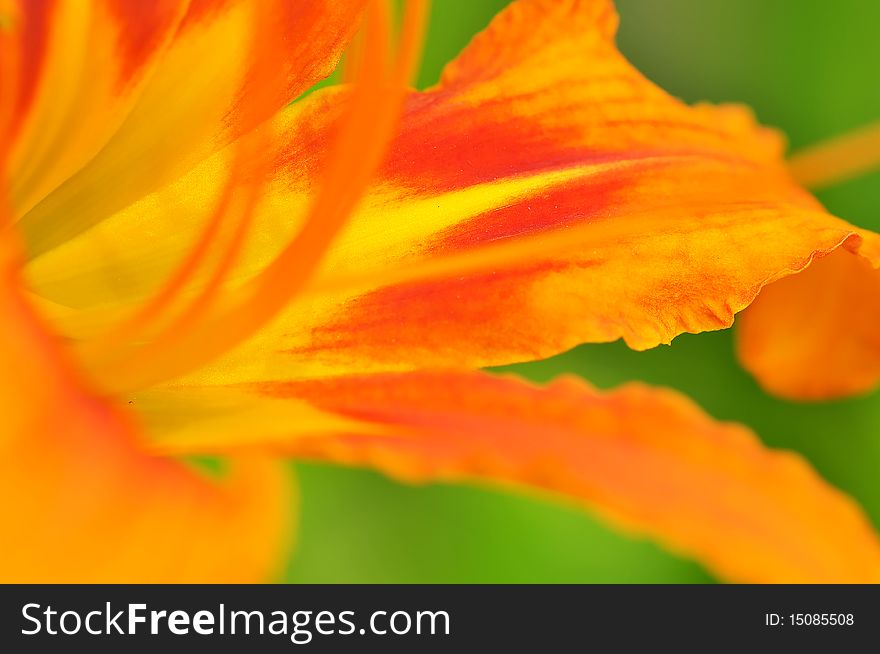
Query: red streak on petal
(440, 150)
(34, 41)
(555, 208)
(142, 29)
(471, 151)
(414, 315)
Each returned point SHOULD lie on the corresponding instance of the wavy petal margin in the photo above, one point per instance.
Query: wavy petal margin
(545, 194)
(646, 459)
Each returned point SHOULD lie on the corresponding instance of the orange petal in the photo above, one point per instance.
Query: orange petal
(556, 197)
(647, 460)
(83, 65)
(123, 96)
(545, 194)
(81, 501)
(816, 335)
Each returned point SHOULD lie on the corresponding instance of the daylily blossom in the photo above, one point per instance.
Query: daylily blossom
(193, 265)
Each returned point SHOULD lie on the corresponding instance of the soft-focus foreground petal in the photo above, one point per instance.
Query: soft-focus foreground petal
(816, 335)
(123, 96)
(647, 460)
(543, 195)
(80, 501)
(82, 66)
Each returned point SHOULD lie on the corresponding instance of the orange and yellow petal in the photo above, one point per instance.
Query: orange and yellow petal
(81, 65)
(121, 97)
(544, 194)
(816, 336)
(645, 459)
(82, 501)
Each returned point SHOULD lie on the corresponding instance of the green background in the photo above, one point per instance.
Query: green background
(809, 67)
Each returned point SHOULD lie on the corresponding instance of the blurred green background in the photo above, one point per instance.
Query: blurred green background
(809, 67)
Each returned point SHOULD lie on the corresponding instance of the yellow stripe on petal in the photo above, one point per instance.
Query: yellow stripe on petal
(543, 195)
(646, 459)
(223, 419)
(190, 105)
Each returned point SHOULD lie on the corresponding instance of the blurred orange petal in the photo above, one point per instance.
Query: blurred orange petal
(816, 335)
(543, 195)
(646, 459)
(149, 89)
(81, 501)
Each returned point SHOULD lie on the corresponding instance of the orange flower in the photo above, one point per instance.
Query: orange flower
(198, 268)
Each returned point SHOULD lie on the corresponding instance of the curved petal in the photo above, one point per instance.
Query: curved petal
(816, 335)
(646, 459)
(81, 67)
(82, 501)
(130, 95)
(543, 195)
